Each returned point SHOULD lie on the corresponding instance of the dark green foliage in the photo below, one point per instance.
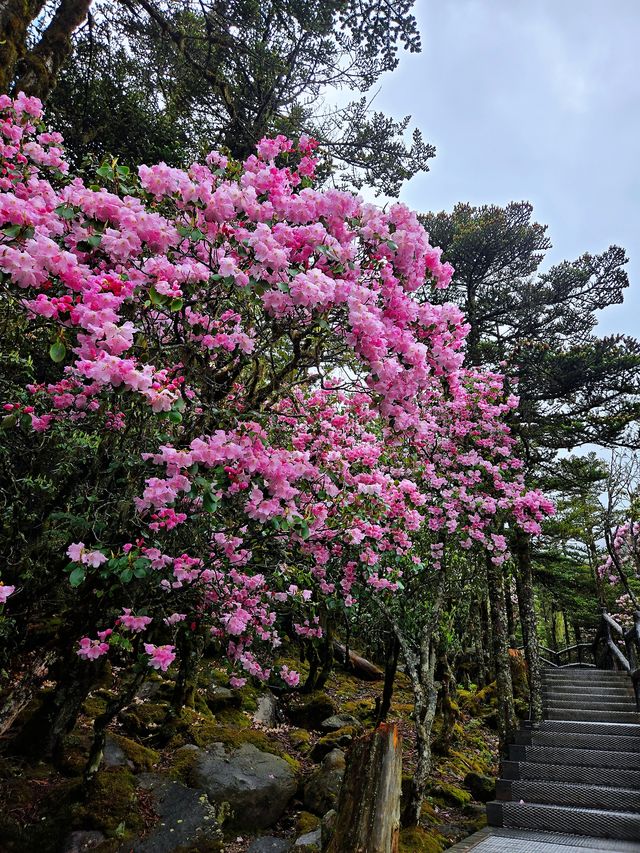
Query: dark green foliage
(158, 80)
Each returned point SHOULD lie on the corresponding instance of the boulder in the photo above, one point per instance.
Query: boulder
(309, 842)
(269, 844)
(339, 721)
(309, 711)
(185, 818)
(257, 786)
(113, 755)
(340, 738)
(483, 788)
(80, 841)
(266, 714)
(221, 698)
(323, 787)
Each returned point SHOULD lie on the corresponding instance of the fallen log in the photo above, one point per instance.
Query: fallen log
(368, 814)
(361, 667)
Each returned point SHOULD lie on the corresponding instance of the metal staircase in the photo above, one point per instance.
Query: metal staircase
(578, 771)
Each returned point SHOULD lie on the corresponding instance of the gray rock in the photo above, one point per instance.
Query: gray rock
(219, 698)
(113, 755)
(82, 840)
(269, 844)
(256, 785)
(483, 788)
(186, 817)
(267, 712)
(339, 721)
(327, 826)
(323, 787)
(309, 841)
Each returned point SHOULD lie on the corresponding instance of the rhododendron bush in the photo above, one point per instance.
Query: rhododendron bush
(263, 417)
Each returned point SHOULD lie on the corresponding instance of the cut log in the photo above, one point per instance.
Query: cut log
(361, 667)
(368, 818)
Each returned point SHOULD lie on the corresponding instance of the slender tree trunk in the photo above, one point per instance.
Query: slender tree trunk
(390, 669)
(506, 713)
(511, 622)
(526, 603)
(36, 70)
(425, 702)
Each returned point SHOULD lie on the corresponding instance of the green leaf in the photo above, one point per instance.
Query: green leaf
(57, 351)
(157, 298)
(126, 576)
(105, 172)
(175, 417)
(66, 211)
(176, 304)
(123, 170)
(209, 502)
(77, 576)
(12, 231)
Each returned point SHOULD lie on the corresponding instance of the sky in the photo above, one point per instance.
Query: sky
(534, 100)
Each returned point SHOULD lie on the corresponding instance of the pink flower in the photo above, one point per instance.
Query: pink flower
(161, 657)
(92, 649)
(134, 623)
(5, 592)
(237, 682)
(75, 551)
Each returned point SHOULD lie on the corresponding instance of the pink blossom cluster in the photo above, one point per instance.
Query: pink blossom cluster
(165, 303)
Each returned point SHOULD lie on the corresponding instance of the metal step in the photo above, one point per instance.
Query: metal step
(600, 716)
(612, 777)
(611, 694)
(579, 740)
(584, 689)
(592, 677)
(578, 757)
(598, 823)
(586, 727)
(581, 704)
(568, 794)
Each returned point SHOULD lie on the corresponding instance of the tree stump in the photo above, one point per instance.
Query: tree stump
(368, 819)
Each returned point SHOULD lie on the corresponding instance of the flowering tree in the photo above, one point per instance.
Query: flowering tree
(249, 412)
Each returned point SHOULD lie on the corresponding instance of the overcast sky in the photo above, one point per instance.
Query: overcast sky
(536, 100)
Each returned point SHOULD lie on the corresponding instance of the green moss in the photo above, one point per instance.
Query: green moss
(300, 740)
(93, 706)
(306, 822)
(145, 718)
(233, 717)
(309, 711)
(414, 839)
(445, 793)
(182, 764)
(142, 757)
(335, 740)
(111, 804)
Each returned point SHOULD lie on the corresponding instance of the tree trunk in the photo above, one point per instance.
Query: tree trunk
(526, 602)
(368, 819)
(426, 699)
(16, 17)
(506, 714)
(36, 71)
(511, 622)
(390, 669)
(20, 696)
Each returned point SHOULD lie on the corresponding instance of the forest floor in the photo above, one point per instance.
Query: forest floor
(47, 809)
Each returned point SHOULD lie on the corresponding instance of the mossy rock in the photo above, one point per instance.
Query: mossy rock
(200, 846)
(306, 822)
(364, 710)
(220, 698)
(445, 793)
(414, 839)
(141, 756)
(483, 788)
(309, 711)
(300, 740)
(94, 705)
(144, 718)
(335, 740)
(111, 804)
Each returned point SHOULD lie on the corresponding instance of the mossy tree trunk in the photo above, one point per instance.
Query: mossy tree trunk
(527, 606)
(390, 668)
(34, 69)
(506, 714)
(368, 819)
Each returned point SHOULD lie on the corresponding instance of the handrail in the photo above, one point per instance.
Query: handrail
(613, 655)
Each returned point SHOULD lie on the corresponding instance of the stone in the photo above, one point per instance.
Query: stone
(482, 788)
(323, 787)
(256, 785)
(113, 755)
(309, 842)
(269, 844)
(327, 825)
(340, 738)
(339, 721)
(266, 714)
(309, 711)
(82, 840)
(186, 818)
(221, 698)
